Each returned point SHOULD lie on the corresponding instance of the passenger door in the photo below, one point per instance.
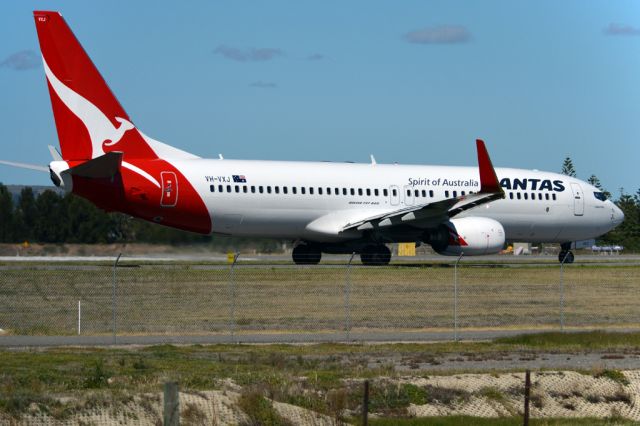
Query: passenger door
(578, 199)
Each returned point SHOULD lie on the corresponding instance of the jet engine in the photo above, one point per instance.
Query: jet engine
(472, 236)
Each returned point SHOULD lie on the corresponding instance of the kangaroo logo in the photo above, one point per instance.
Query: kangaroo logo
(101, 129)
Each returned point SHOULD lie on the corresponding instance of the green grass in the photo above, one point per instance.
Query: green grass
(503, 421)
(575, 340)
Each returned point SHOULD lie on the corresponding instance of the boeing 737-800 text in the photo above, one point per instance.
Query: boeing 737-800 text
(323, 207)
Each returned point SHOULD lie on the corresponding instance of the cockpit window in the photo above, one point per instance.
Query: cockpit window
(600, 196)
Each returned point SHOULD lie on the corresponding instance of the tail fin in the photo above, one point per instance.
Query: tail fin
(89, 119)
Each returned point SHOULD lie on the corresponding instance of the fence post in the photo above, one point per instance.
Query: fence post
(79, 316)
(232, 296)
(455, 298)
(347, 299)
(562, 292)
(527, 393)
(114, 298)
(365, 404)
(171, 404)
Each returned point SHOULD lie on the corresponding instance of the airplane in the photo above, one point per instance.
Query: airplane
(324, 207)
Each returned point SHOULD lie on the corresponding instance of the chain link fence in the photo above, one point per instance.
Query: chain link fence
(344, 299)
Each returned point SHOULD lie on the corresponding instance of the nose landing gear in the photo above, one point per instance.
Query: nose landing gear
(565, 255)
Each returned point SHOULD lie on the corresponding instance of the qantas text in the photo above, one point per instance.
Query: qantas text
(532, 184)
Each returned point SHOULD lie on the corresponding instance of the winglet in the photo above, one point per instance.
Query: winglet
(488, 179)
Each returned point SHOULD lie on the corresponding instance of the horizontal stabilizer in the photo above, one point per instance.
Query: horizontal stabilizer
(105, 166)
(26, 166)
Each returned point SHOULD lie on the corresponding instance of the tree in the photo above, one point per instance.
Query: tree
(627, 234)
(26, 215)
(593, 180)
(567, 168)
(6, 215)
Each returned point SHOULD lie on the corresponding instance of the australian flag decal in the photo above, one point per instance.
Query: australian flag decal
(239, 178)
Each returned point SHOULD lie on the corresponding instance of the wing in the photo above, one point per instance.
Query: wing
(431, 214)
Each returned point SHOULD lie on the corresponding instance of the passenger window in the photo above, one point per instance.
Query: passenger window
(455, 194)
(269, 189)
(553, 196)
(539, 195)
(394, 192)
(526, 196)
(424, 193)
(245, 189)
(519, 196)
(368, 192)
(294, 190)
(277, 188)
(360, 191)
(431, 193)
(319, 191)
(302, 190)
(408, 193)
(212, 188)
(337, 191)
(446, 194)
(253, 189)
(511, 195)
(462, 193)
(237, 189)
(344, 191)
(385, 192)
(285, 190)
(416, 193)
(376, 193)
(260, 189)
(533, 196)
(546, 197)
(328, 191)
(220, 188)
(311, 190)
(228, 188)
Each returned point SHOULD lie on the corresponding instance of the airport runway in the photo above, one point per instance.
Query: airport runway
(285, 259)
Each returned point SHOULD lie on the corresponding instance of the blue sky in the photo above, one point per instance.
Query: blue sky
(410, 82)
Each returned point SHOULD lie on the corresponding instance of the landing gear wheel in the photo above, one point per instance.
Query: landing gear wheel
(306, 255)
(566, 256)
(375, 255)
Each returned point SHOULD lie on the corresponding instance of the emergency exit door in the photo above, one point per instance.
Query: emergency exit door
(169, 189)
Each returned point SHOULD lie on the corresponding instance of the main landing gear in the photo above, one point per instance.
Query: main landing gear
(305, 254)
(565, 256)
(310, 254)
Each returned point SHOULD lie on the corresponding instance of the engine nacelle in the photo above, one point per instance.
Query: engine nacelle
(58, 176)
(472, 236)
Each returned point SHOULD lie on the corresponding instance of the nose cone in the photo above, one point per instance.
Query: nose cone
(616, 215)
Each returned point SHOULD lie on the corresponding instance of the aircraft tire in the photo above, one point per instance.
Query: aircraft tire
(569, 256)
(306, 255)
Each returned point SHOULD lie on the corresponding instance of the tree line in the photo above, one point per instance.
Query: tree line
(51, 217)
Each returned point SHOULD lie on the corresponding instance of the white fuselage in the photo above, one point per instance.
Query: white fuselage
(306, 200)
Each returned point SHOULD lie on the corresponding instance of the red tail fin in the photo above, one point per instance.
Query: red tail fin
(89, 119)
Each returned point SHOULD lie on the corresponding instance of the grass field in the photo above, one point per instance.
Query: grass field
(324, 378)
(43, 299)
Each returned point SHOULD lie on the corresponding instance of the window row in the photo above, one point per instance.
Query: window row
(268, 189)
(525, 195)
